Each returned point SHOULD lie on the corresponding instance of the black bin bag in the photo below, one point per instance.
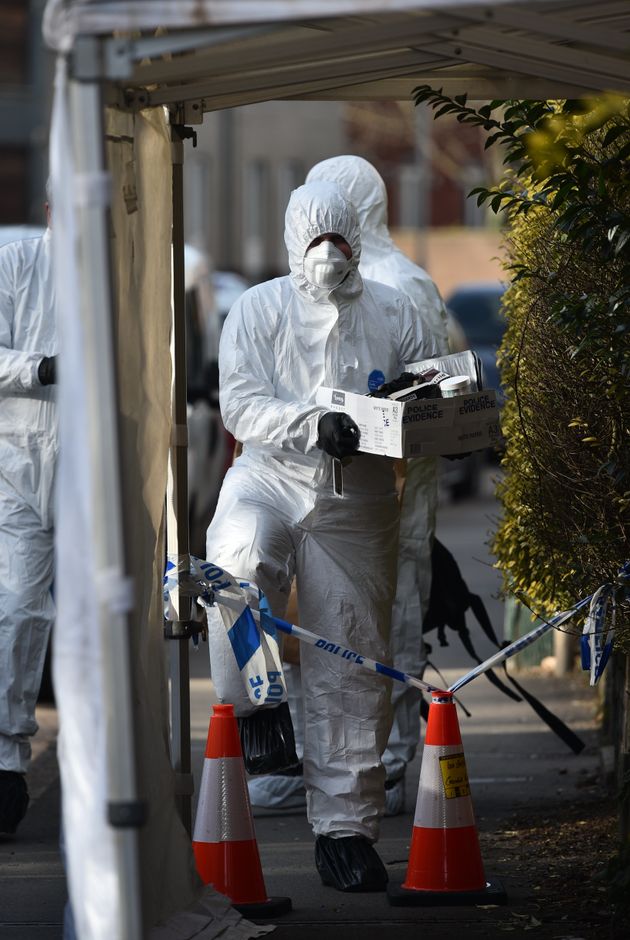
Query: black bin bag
(268, 741)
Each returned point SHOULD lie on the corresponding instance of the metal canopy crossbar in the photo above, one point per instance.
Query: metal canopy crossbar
(529, 48)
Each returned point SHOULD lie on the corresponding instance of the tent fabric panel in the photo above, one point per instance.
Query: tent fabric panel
(138, 157)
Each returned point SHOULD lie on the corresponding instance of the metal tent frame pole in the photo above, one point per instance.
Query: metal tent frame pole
(125, 812)
(177, 535)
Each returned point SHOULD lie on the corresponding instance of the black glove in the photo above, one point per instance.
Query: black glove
(47, 370)
(403, 381)
(337, 434)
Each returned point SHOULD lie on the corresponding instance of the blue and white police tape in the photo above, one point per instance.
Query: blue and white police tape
(256, 651)
(335, 649)
(518, 645)
(212, 584)
(193, 577)
(597, 639)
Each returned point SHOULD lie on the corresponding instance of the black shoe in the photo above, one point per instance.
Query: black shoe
(13, 800)
(349, 864)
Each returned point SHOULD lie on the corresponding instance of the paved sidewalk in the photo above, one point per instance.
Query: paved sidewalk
(545, 821)
(32, 879)
(516, 766)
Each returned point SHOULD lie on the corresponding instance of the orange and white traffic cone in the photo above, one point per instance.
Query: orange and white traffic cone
(224, 841)
(445, 864)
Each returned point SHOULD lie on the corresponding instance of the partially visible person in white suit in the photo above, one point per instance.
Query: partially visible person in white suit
(28, 456)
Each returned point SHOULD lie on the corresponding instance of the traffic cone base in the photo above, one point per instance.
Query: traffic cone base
(224, 841)
(493, 892)
(464, 871)
(272, 907)
(233, 868)
(445, 865)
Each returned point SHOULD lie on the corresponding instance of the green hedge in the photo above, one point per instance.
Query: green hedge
(565, 358)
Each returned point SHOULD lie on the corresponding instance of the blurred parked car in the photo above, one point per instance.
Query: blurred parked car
(475, 309)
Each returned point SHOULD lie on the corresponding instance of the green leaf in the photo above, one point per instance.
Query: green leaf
(422, 92)
(492, 139)
(443, 110)
(561, 194)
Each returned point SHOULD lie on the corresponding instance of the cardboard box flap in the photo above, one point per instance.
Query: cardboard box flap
(461, 363)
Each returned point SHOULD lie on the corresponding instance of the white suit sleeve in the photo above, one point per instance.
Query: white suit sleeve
(18, 370)
(250, 409)
(425, 296)
(417, 341)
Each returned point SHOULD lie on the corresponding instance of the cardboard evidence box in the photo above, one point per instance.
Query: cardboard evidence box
(425, 428)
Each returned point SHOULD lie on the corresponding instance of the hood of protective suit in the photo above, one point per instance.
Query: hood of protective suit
(363, 185)
(315, 209)
(381, 260)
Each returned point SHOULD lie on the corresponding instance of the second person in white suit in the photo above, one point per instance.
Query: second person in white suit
(382, 261)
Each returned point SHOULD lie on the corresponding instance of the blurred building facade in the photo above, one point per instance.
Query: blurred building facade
(26, 69)
(248, 160)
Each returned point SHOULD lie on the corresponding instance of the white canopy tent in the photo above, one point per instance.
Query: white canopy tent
(130, 76)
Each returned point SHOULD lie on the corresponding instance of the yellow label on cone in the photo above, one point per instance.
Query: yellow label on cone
(454, 776)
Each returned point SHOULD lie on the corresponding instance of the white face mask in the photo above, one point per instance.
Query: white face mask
(325, 265)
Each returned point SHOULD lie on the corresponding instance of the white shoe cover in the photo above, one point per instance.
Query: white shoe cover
(276, 795)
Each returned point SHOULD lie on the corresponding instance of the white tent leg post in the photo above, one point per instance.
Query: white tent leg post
(177, 539)
(125, 812)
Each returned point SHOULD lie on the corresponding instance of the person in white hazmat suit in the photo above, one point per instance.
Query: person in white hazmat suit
(277, 515)
(28, 453)
(382, 261)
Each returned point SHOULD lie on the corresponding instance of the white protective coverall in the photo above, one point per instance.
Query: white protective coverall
(277, 515)
(28, 452)
(382, 261)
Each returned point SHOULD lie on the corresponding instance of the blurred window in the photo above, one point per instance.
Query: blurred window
(290, 175)
(412, 203)
(474, 216)
(199, 208)
(14, 15)
(256, 210)
(13, 185)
